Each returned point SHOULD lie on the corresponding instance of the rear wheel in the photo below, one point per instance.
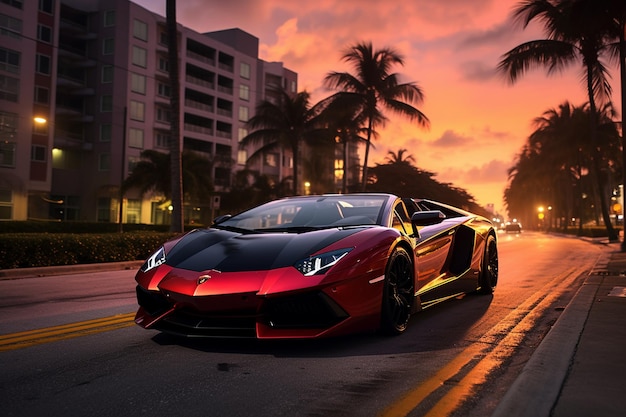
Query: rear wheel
(488, 278)
(397, 293)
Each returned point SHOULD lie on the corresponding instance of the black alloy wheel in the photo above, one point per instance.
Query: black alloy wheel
(397, 293)
(489, 269)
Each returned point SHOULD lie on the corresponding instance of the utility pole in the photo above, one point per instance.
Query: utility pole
(177, 222)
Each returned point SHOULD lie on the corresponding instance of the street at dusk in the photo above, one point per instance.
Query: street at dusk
(69, 365)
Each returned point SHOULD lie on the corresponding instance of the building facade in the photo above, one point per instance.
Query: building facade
(85, 88)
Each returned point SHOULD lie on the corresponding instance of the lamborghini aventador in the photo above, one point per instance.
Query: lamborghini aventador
(316, 266)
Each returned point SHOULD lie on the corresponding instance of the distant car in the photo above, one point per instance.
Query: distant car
(316, 266)
(513, 227)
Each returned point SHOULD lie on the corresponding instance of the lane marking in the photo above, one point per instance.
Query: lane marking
(28, 338)
(459, 377)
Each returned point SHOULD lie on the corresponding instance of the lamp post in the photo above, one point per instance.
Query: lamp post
(541, 216)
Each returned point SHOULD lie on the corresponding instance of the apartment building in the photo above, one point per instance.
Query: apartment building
(84, 89)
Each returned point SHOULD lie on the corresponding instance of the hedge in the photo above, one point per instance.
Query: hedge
(24, 250)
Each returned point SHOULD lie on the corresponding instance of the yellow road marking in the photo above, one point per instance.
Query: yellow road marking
(65, 331)
(472, 366)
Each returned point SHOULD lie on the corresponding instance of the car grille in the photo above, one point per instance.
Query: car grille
(301, 311)
(310, 310)
(187, 323)
(153, 302)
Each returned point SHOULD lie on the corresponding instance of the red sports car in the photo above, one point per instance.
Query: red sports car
(316, 266)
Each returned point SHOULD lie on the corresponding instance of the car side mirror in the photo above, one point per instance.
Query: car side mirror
(222, 218)
(427, 218)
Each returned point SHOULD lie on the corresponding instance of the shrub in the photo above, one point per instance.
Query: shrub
(23, 250)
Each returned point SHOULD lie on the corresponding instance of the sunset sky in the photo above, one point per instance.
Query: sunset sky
(451, 49)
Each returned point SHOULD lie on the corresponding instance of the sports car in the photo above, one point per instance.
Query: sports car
(316, 266)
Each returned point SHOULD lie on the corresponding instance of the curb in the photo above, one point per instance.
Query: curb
(19, 273)
(536, 389)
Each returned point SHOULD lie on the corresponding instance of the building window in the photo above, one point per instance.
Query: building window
(244, 70)
(69, 209)
(271, 159)
(40, 128)
(106, 103)
(133, 211)
(135, 138)
(242, 157)
(163, 65)
(104, 162)
(164, 90)
(140, 30)
(9, 88)
(6, 204)
(138, 83)
(132, 163)
(10, 26)
(163, 38)
(105, 132)
(104, 209)
(163, 115)
(38, 153)
(46, 6)
(10, 60)
(108, 45)
(8, 126)
(43, 64)
(243, 132)
(162, 140)
(244, 92)
(42, 95)
(137, 110)
(107, 74)
(140, 57)
(15, 3)
(109, 18)
(44, 33)
(243, 113)
(7, 154)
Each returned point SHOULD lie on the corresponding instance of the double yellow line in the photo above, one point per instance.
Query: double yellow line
(65, 331)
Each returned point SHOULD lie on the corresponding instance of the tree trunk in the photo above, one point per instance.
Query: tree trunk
(367, 151)
(596, 156)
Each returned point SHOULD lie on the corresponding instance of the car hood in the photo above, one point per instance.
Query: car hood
(227, 251)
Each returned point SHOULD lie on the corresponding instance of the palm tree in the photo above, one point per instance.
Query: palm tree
(374, 87)
(560, 146)
(573, 35)
(345, 126)
(288, 123)
(552, 165)
(152, 173)
(399, 158)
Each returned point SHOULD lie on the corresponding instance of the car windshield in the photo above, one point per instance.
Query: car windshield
(300, 214)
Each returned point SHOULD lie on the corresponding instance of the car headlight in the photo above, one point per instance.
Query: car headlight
(155, 260)
(319, 264)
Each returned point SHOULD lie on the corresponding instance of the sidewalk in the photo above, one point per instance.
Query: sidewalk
(579, 369)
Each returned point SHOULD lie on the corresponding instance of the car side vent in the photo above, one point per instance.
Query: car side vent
(463, 247)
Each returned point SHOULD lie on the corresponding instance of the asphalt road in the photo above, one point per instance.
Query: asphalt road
(68, 347)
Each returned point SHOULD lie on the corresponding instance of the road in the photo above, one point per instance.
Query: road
(68, 348)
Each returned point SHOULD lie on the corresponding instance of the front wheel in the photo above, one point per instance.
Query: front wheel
(488, 278)
(397, 293)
